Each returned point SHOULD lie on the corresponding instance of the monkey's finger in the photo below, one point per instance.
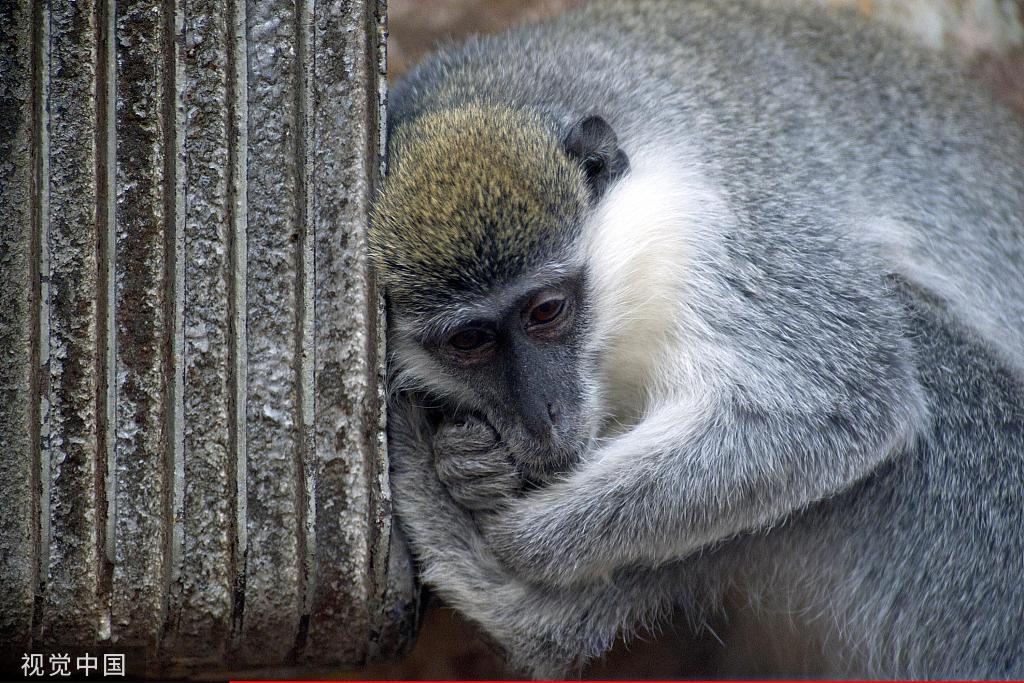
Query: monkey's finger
(464, 438)
(490, 493)
(464, 466)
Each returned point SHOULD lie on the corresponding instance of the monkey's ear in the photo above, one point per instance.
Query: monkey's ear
(593, 143)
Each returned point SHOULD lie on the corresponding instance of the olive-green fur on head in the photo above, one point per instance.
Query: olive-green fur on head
(475, 196)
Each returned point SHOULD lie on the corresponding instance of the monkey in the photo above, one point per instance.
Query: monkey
(688, 299)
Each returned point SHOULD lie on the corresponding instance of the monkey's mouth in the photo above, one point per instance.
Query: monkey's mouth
(542, 463)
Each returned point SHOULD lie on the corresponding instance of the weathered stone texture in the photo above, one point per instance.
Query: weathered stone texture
(967, 25)
(72, 608)
(17, 322)
(274, 419)
(204, 578)
(192, 425)
(144, 234)
(346, 403)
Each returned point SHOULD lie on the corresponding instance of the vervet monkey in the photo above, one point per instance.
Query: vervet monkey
(691, 297)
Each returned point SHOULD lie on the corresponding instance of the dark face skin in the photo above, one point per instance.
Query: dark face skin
(520, 353)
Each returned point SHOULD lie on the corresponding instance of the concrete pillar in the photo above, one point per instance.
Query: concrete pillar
(192, 457)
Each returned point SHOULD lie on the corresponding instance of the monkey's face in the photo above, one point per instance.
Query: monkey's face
(478, 238)
(516, 357)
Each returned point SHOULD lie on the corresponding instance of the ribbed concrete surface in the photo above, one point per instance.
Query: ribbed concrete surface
(19, 470)
(192, 456)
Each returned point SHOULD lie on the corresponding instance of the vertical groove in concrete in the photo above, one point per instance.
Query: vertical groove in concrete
(17, 333)
(142, 324)
(273, 601)
(70, 609)
(394, 607)
(202, 597)
(306, 351)
(105, 324)
(174, 302)
(39, 203)
(41, 348)
(238, 178)
(106, 367)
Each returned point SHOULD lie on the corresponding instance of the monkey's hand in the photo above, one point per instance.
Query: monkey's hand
(544, 630)
(472, 463)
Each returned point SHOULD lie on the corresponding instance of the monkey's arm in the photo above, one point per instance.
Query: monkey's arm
(544, 630)
(737, 458)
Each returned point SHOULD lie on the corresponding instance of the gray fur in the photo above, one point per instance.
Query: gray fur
(859, 458)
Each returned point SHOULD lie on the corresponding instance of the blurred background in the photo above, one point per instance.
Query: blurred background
(988, 34)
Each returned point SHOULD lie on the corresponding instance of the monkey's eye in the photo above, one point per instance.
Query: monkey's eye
(547, 310)
(469, 339)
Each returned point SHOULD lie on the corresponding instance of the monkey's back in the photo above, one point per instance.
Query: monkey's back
(921, 561)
